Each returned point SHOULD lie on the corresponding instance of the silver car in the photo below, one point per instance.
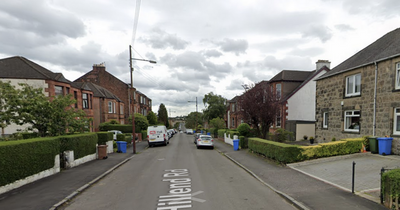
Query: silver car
(205, 141)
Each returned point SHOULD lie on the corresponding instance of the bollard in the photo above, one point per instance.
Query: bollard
(381, 195)
(352, 182)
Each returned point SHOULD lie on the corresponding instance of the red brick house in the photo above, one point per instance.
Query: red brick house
(21, 70)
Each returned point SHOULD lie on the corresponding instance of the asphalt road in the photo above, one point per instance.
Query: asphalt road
(178, 176)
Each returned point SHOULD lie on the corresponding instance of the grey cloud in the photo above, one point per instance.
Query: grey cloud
(319, 31)
(160, 39)
(40, 18)
(238, 46)
(344, 27)
(212, 53)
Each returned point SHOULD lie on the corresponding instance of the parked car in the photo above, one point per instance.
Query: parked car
(189, 131)
(196, 136)
(205, 141)
(115, 132)
(157, 134)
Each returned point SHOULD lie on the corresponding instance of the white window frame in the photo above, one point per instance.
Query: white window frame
(85, 101)
(325, 120)
(348, 120)
(352, 84)
(396, 121)
(397, 76)
(110, 107)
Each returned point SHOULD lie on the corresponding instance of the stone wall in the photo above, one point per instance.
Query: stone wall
(330, 97)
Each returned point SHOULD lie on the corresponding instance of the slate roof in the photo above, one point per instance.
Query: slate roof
(18, 67)
(292, 76)
(386, 47)
(97, 90)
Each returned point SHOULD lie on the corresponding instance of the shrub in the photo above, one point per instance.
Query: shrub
(391, 187)
(282, 135)
(243, 142)
(103, 137)
(284, 153)
(244, 129)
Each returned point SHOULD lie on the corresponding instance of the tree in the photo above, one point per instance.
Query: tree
(193, 119)
(163, 115)
(217, 123)
(8, 96)
(141, 122)
(51, 116)
(215, 106)
(152, 118)
(259, 106)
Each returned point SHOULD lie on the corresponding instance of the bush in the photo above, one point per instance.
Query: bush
(221, 133)
(280, 152)
(244, 129)
(103, 137)
(243, 142)
(282, 135)
(29, 135)
(391, 187)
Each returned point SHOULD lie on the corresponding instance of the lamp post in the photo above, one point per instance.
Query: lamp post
(196, 114)
(133, 101)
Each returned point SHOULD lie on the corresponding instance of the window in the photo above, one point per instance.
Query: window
(76, 98)
(114, 107)
(278, 120)
(85, 101)
(67, 90)
(121, 109)
(352, 121)
(325, 120)
(278, 91)
(396, 123)
(233, 107)
(353, 85)
(233, 122)
(397, 76)
(110, 107)
(58, 90)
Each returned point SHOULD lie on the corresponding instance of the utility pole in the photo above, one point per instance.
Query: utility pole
(196, 114)
(133, 102)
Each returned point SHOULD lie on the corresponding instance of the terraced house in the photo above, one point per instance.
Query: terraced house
(361, 96)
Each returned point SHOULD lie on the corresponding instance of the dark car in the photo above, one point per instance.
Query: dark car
(196, 136)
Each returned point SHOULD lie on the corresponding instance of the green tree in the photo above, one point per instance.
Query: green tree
(215, 106)
(50, 116)
(8, 96)
(152, 118)
(194, 119)
(163, 115)
(141, 122)
(217, 123)
(244, 129)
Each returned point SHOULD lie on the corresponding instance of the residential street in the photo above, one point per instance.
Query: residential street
(179, 175)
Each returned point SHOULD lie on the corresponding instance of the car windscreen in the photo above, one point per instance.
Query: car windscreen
(205, 138)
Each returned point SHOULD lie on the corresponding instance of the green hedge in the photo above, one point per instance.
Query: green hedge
(144, 135)
(82, 144)
(391, 187)
(221, 133)
(286, 153)
(103, 137)
(29, 135)
(20, 159)
(281, 152)
(243, 142)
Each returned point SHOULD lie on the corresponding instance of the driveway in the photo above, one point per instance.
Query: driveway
(338, 170)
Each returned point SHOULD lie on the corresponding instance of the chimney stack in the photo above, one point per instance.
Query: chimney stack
(322, 63)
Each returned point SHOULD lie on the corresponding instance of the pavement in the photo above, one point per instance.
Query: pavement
(317, 184)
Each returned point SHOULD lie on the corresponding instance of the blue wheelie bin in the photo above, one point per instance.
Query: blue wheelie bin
(385, 145)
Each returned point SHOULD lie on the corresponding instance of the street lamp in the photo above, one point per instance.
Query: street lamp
(196, 114)
(133, 102)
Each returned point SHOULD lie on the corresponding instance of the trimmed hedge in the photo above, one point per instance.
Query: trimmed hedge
(391, 187)
(286, 153)
(33, 156)
(82, 144)
(144, 135)
(221, 132)
(281, 152)
(103, 137)
(243, 142)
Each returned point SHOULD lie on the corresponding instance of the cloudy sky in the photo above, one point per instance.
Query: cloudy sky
(200, 46)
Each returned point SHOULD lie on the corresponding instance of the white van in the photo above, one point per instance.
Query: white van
(157, 134)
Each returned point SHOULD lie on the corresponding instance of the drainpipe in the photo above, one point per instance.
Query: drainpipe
(374, 116)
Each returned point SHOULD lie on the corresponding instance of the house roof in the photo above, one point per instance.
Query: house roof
(291, 75)
(18, 67)
(97, 90)
(311, 77)
(384, 48)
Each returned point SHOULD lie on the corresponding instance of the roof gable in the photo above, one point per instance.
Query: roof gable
(21, 68)
(386, 47)
(291, 75)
